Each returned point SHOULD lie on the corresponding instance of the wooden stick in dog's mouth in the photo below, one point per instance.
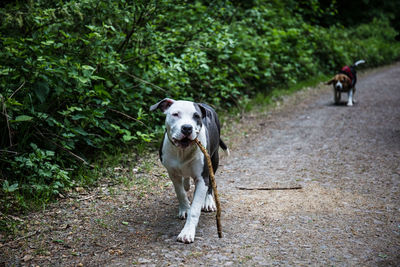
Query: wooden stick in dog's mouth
(214, 186)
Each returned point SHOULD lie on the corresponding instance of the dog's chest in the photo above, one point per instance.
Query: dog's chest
(187, 163)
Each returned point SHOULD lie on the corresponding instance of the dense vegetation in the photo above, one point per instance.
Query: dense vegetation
(77, 77)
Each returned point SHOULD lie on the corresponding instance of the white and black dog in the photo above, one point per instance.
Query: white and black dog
(183, 159)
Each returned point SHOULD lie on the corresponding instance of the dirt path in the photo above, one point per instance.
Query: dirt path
(347, 159)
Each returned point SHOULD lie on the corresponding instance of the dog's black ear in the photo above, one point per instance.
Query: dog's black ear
(163, 104)
(203, 109)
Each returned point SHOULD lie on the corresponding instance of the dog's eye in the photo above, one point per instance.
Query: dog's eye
(196, 116)
(175, 114)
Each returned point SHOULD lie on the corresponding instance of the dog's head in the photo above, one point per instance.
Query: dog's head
(340, 82)
(184, 120)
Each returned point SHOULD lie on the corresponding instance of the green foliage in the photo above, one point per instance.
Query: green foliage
(77, 77)
(43, 178)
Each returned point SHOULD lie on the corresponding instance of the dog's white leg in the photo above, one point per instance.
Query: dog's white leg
(184, 204)
(189, 230)
(350, 100)
(209, 204)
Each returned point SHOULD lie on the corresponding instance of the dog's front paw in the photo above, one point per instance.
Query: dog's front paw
(349, 104)
(186, 236)
(209, 204)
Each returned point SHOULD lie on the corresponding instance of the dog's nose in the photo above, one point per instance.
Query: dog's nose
(186, 129)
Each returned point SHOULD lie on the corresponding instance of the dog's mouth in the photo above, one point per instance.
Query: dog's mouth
(184, 142)
(338, 86)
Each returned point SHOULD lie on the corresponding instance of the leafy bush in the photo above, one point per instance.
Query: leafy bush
(42, 177)
(77, 77)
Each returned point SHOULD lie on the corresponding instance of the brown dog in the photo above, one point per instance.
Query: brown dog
(345, 82)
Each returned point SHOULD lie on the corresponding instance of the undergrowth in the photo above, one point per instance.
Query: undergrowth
(77, 77)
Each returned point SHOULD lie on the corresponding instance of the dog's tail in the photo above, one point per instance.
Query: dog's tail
(358, 62)
(224, 147)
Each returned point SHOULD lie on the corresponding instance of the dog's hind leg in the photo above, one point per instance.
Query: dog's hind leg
(189, 230)
(184, 204)
(186, 183)
(209, 203)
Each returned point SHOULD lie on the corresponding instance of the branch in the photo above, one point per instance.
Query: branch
(17, 89)
(129, 117)
(121, 48)
(126, 115)
(145, 82)
(6, 115)
(22, 237)
(213, 184)
(66, 150)
(136, 23)
(8, 123)
(8, 151)
(270, 188)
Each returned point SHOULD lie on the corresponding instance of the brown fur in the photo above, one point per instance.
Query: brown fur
(344, 79)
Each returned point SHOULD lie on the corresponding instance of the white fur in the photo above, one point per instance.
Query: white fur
(338, 85)
(189, 230)
(209, 204)
(359, 62)
(180, 191)
(350, 100)
(180, 113)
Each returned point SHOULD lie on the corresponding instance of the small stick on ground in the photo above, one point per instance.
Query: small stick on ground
(20, 238)
(271, 188)
(214, 186)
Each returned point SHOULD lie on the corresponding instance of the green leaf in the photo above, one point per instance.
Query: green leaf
(13, 102)
(78, 117)
(22, 118)
(5, 71)
(95, 78)
(128, 137)
(83, 79)
(80, 131)
(48, 42)
(9, 188)
(87, 67)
